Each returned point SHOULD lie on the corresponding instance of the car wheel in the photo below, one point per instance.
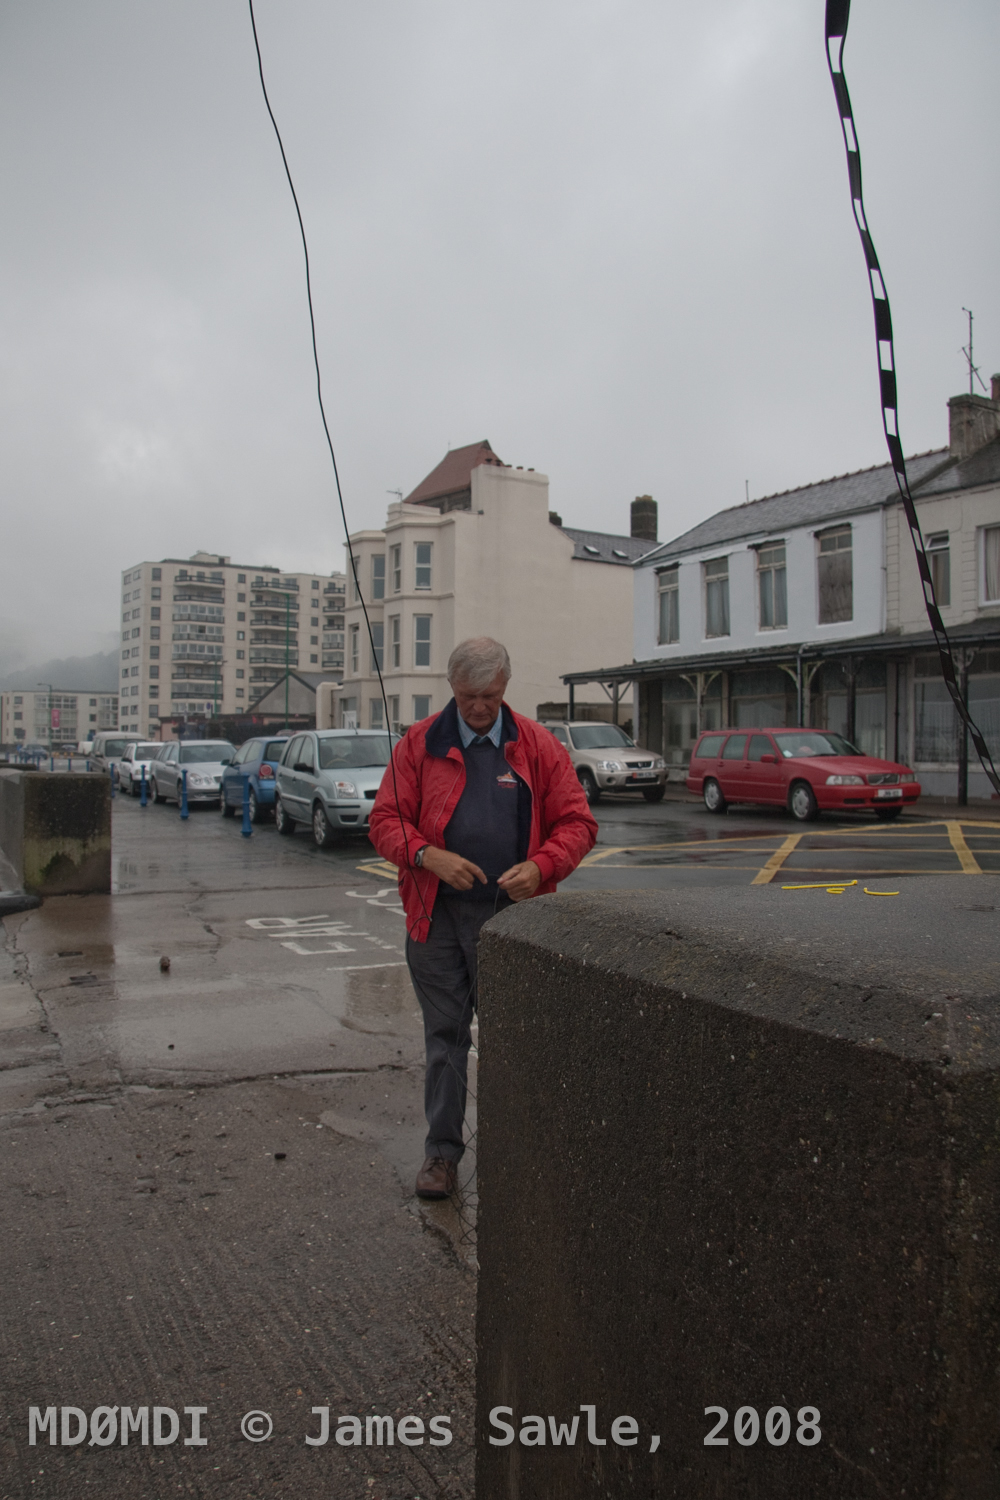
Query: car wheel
(224, 807)
(323, 835)
(802, 803)
(256, 811)
(654, 793)
(590, 788)
(712, 794)
(282, 822)
(887, 814)
(157, 794)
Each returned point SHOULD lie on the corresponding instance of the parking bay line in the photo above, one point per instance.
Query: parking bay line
(353, 968)
(767, 873)
(966, 858)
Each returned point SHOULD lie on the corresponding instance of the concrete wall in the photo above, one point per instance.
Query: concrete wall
(741, 1148)
(55, 831)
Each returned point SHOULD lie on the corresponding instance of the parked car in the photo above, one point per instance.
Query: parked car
(255, 762)
(136, 757)
(328, 778)
(85, 747)
(809, 771)
(607, 760)
(109, 747)
(203, 760)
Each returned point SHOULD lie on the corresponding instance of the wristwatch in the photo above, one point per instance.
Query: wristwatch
(418, 858)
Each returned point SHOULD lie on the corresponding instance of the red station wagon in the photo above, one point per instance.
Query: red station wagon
(809, 771)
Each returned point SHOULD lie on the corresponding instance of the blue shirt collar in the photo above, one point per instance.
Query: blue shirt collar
(467, 735)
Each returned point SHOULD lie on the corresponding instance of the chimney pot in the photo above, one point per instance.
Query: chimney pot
(973, 421)
(995, 387)
(554, 518)
(644, 519)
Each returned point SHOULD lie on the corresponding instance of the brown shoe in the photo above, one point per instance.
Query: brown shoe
(436, 1178)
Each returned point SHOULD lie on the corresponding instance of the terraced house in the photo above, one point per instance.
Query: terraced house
(806, 608)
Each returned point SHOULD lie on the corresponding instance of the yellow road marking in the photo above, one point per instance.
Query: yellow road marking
(823, 885)
(777, 860)
(380, 867)
(966, 858)
(774, 864)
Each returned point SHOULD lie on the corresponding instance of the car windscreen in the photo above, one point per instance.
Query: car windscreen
(114, 747)
(813, 742)
(146, 752)
(273, 750)
(598, 737)
(348, 752)
(192, 755)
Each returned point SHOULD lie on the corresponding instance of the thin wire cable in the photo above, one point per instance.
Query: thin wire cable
(468, 1227)
(837, 16)
(333, 459)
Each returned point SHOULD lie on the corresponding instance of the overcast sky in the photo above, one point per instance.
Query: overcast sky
(611, 236)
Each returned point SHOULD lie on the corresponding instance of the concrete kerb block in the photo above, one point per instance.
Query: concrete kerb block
(55, 831)
(740, 1150)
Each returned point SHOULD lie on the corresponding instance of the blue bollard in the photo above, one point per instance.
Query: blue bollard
(184, 794)
(111, 773)
(88, 768)
(69, 765)
(52, 762)
(246, 830)
(142, 789)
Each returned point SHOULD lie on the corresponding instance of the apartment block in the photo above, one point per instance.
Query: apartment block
(203, 636)
(475, 550)
(55, 716)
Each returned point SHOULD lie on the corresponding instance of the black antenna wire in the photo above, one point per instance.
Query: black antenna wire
(333, 459)
(837, 16)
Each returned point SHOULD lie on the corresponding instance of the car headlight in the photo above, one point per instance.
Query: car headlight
(200, 778)
(659, 764)
(345, 789)
(908, 776)
(845, 781)
(610, 765)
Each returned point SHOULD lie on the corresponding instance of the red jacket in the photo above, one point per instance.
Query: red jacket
(427, 776)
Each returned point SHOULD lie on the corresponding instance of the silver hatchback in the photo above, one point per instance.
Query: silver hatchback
(328, 778)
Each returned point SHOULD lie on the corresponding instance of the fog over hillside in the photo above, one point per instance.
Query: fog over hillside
(73, 673)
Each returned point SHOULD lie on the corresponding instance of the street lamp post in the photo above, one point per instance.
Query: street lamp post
(287, 608)
(49, 686)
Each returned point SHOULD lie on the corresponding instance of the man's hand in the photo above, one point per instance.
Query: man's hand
(455, 871)
(520, 881)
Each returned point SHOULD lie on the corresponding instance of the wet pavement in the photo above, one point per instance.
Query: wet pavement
(211, 1116)
(210, 1120)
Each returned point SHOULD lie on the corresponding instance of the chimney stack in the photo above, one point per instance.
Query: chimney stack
(973, 421)
(644, 518)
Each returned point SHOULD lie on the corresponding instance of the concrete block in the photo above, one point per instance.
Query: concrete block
(741, 1149)
(55, 831)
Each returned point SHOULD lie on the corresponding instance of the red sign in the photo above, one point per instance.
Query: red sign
(55, 718)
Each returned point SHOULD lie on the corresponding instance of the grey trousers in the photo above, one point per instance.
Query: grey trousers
(443, 971)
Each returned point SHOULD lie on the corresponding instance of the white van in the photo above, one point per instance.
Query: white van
(109, 746)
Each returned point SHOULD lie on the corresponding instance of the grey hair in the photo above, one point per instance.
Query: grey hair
(477, 661)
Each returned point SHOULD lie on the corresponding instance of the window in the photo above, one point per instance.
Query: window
(154, 634)
(717, 596)
(835, 575)
(154, 614)
(394, 623)
(939, 560)
(155, 593)
(137, 614)
(378, 642)
(991, 565)
(314, 621)
(353, 638)
(241, 598)
(421, 706)
(314, 659)
(125, 654)
(772, 588)
(157, 574)
(735, 747)
(241, 578)
(93, 702)
(668, 614)
(422, 573)
(154, 653)
(241, 614)
(422, 641)
(394, 712)
(136, 650)
(240, 693)
(314, 640)
(376, 720)
(136, 631)
(124, 671)
(378, 575)
(126, 598)
(356, 595)
(396, 567)
(241, 635)
(240, 672)
(154, 671)
(760, 746)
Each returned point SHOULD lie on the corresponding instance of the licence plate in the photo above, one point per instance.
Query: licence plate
(642, 775)
(889, 791)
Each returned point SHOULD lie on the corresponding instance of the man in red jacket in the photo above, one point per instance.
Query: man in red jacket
(480, 807)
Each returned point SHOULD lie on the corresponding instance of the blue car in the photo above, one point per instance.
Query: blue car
(255, 763)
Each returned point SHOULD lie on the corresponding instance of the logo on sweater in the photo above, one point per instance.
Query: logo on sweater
(507, 779)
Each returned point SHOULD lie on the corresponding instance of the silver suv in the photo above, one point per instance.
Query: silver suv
(327, 779)
(607, 760)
